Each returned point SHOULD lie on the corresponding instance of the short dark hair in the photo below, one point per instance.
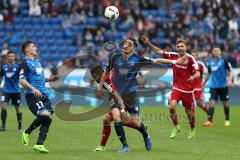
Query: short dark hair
(25, 45)
(181, 40)
(10, 52)
(96, 69)
(135, 42)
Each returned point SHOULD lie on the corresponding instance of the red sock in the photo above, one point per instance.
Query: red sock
(106, 131)
(174, 117)
(191, 119)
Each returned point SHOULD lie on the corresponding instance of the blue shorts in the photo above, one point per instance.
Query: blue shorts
(222, 93)
(131, 103)
(38, 104)
(14, 97)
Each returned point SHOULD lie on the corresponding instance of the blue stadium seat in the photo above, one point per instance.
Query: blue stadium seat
(46, 21)
(39, 34)
(58, 35)
(144, 13)
(55, 21)
(36, 21)
(17, 20)
(24, 6)
(50, 42)
(161, 35)
(92, 21)
(25, 12)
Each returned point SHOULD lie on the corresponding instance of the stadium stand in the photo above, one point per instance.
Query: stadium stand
(66, 26)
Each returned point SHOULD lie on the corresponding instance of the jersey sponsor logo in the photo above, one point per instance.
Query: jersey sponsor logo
(9, 74)
(39, 70)
(214, 68)
(123, 71)
(179, 66)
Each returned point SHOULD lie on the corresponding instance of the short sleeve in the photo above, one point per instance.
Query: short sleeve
(145, 60)
(169, 55)
(195, 67)
(23, 70)
(227, 65)
(1, 72)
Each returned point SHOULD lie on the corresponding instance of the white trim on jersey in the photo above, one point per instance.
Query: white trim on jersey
(182, 90)
(197, 89)
(204, 66)
(195, 65)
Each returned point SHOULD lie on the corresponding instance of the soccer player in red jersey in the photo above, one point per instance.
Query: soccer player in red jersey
(182, 89)
(199, 87)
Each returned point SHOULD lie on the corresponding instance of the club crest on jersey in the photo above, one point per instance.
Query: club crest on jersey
(131, 63)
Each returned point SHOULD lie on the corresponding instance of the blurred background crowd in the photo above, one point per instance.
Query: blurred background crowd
(64, 29)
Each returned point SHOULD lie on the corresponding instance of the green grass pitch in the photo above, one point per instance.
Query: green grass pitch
(76, 140)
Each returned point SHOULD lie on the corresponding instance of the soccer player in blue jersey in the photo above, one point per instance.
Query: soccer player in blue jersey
(32, 78)
(220, 78)
(10, 73)
(125, 67)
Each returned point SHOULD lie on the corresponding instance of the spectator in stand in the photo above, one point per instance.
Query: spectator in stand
(53, 10)
(67, 28)
(75, 18)
(8, 17)
(4, 52)
(15, 6)
(34, 8)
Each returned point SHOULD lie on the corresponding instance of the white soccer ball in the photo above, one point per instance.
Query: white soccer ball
(111, 12)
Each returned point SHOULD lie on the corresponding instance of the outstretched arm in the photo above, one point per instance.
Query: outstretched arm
(145, 40)
(52, 78)
(180, 60)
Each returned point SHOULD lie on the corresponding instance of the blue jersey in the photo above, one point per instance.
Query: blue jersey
(125, 71)
(11, 78)
(32, 71)
(218, 70)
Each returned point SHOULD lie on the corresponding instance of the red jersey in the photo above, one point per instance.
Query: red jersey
(198, 81)
(182, 72)
(108, 84)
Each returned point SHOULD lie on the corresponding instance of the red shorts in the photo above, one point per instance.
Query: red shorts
(186, 98)
(198, 94)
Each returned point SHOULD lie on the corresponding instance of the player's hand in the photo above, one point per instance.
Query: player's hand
(230, 83)
(54, 78)
(36, 92)
(190, 79)
(181, 60)
(144, 39)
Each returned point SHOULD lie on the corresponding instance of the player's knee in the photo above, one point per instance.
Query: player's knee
(173, 104)
(18, 109)
(4, 107)
(225, 103)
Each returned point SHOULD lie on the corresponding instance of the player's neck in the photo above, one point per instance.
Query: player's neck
(10, 63)
(126, 56)
(30, 57)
